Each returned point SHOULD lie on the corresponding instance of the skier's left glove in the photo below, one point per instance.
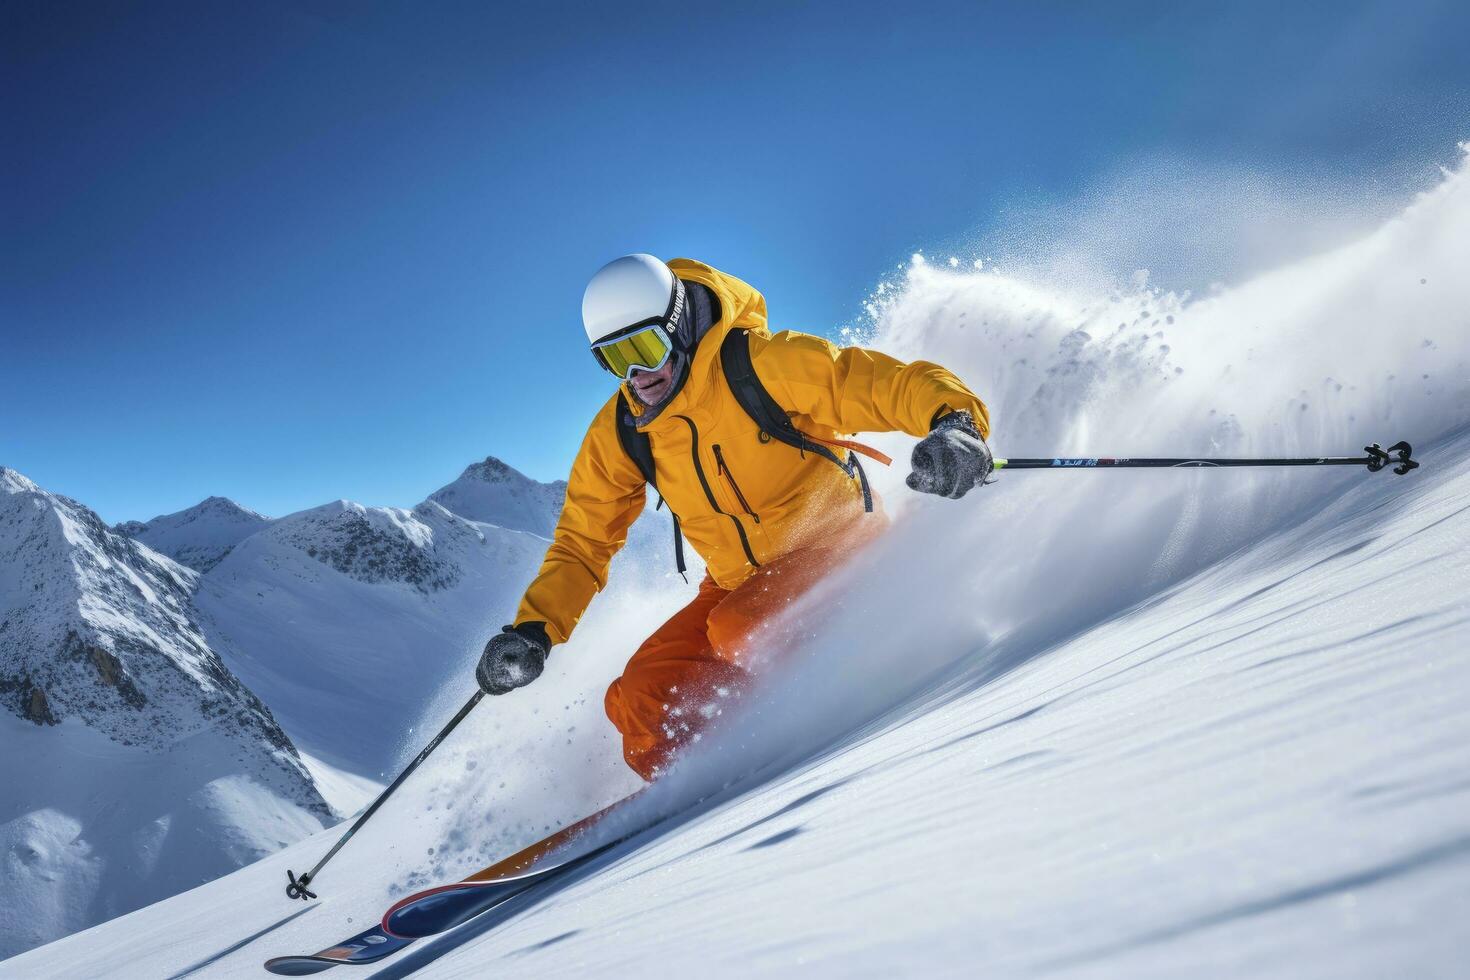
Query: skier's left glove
(951, 459)
(513, 658)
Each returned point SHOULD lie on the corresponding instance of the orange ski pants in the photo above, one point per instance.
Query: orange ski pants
(693, 666)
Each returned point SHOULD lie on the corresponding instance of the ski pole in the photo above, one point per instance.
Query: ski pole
(1376, 459)
(297, 886)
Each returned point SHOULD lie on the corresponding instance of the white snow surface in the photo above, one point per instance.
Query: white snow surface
(1082, 723)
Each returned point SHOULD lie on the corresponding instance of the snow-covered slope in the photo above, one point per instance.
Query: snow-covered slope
(134, 763)
(1176, 723)
(1260, 772)
(201, 535)
(493, 493)
(347, 619)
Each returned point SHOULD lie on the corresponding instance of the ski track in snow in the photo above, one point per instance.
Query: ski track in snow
(1112, 724)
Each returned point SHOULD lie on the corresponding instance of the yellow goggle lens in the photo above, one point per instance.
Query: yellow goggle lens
(647, 349)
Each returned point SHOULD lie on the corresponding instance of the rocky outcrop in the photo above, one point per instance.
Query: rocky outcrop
(96, 627)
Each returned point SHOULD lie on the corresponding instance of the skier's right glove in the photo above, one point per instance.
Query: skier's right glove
(952, 459)
(513, 658)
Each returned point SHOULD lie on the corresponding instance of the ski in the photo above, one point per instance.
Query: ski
(437, 909)
(440, 909)
(368, 946)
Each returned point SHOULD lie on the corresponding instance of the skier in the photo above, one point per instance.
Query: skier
(739, 432)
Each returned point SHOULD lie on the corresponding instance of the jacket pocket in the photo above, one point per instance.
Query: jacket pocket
(723, 469)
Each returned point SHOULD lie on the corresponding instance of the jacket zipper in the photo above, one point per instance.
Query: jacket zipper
(710, 494)
(725, 471)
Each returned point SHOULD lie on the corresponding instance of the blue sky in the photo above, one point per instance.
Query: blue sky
(289, 252)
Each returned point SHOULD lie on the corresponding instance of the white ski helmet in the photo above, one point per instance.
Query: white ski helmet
(630, 291)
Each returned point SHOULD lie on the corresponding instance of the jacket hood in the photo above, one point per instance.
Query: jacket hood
(741, 305)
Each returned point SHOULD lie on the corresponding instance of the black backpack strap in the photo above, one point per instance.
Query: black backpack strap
(678, 544)
(862, 482)
(636, 444)
(640, 450)
(764, 410)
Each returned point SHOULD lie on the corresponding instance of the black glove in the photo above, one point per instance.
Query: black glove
(951, 459)
(513, 658)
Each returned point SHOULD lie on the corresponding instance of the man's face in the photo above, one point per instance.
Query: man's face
(652, 387)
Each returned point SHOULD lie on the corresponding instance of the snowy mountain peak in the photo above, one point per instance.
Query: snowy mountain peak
(493, 492)
(491, 470)
(199, 536)
(14, 482)
(97, 627)
(224, 507)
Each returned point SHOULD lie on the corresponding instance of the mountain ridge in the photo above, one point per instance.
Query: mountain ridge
(135, 760)
(199, 536)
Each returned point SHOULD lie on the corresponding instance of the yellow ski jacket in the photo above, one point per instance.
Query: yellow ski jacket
(742, 499)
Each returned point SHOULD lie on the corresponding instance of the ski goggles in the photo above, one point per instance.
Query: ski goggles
(644, 346)
(647, 348)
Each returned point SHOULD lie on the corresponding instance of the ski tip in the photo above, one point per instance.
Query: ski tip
(366, 947)
(296, 966)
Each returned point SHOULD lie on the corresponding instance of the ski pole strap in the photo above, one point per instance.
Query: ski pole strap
(853, 446)
(1399, 455)
(297, 887)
